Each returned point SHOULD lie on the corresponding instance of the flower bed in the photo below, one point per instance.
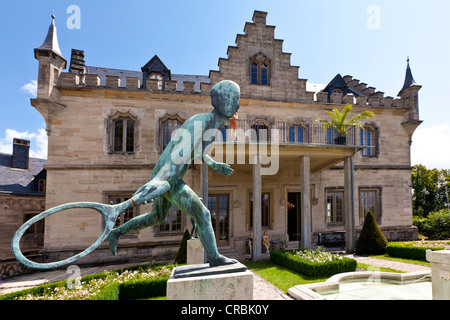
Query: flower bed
(415, 250)
(124, 284)
(313, 263)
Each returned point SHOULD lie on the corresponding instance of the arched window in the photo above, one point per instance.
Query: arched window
(368, 140)
(298, 133)
(336, 90)
(260, 131)
(331, 135)
(223, 133)
(123, 133)
(168, 125)
(259, 69)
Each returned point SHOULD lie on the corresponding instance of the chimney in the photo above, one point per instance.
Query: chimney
(21, 154)
(77, 63)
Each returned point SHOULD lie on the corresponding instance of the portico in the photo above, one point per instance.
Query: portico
(266, 162)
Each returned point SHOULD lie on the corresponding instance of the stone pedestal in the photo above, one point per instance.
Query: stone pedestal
(195, 252)
(201, 282)
(440, 273)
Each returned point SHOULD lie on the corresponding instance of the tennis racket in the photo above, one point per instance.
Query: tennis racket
(109, 213)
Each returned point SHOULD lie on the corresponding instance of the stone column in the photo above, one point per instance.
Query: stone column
(349, 206)
(204, 193)
(305, 173)
(257, 193)
(204, 183)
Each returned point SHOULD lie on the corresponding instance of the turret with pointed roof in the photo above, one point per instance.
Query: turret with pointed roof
(51, 42)
(51, 62)
(410, 100)
(409, 79)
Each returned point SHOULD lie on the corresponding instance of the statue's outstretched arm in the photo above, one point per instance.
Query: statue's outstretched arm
(218, 167)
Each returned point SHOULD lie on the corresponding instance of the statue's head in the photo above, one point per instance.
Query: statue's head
(225, 97)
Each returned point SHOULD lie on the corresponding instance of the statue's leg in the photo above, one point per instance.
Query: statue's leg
(161, 209)
(187, 201)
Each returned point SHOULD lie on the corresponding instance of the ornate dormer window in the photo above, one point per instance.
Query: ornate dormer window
(260, 69)
(155, 69)
(159, 77)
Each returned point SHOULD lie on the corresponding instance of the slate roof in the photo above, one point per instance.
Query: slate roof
(339, 82)
(123, 74)
(51, 41)
(409, 79)
(19, 181)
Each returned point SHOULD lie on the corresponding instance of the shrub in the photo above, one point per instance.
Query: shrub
(293, 260)
(371, 240)
(181, 257)
(435, 226)
(415, 250)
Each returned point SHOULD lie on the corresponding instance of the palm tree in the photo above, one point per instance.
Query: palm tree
(339, 122)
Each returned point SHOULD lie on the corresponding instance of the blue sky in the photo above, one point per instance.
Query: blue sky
(369, 40)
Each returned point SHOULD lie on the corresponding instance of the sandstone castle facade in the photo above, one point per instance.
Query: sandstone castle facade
(107, 128)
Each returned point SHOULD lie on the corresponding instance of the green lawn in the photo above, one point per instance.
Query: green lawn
(280, 276)
(283, 278)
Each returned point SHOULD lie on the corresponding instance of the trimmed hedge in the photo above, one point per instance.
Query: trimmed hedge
(142, 289)
(288, 259)
(408, 250)
(133, 290)
(130, 290)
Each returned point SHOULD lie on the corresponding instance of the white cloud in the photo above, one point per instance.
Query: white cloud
(30, 87)
(39, 142)
(431, 146)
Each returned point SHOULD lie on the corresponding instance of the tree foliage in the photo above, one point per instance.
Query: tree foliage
(431, 190)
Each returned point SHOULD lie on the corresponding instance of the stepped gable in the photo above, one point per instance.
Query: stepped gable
(258, 42)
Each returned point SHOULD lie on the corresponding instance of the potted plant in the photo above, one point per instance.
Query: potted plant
(338, 121)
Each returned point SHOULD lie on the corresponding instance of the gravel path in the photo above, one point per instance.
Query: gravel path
(263, 290)
(402, 266)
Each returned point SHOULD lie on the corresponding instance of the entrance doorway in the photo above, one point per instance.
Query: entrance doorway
(218, 205)
(294, 216)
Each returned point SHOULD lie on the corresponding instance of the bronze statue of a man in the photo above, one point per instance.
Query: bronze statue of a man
(167, 188)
